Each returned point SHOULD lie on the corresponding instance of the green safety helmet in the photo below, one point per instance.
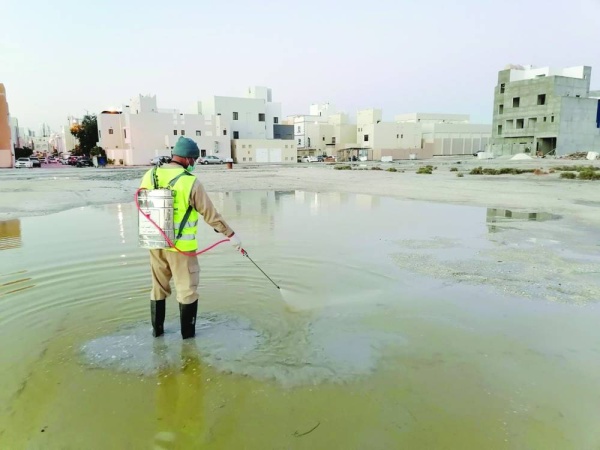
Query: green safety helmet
(186, 148)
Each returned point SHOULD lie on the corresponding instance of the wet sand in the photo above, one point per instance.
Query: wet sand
(41, 191)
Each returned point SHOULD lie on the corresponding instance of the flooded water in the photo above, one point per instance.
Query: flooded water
(398, 325)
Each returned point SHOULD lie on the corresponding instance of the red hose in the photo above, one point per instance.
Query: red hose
(162, 232)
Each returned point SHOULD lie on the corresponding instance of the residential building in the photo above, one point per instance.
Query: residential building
(279, 151)
(6, 150)
(15, 141)
(140, 131)
(250, 117)
(322, 131)
(545, 111)
(283, 131)
(67, 141)
(449, 134)
(41, 144)
(416, 135)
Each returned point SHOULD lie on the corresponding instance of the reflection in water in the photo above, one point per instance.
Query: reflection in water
(10, 234)
(495, 215)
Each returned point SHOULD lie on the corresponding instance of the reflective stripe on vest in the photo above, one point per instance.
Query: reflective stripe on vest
(188, 224)
(182, 188)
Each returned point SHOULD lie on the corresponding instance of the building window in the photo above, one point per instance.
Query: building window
(99, 134)
(125, 133)
(183, 132)
(541, 99)
(520, 123)
(323, 138)
(198, 133)
(261, 117)
(299, 141)
(236, 134)
(235, 115)
(333, 140)
(401, 136)
(500, 109)
(224, 132)
(552, 119)
(203, 153)
(516, 102)
(499, 130)
(366, 138)
(110, 131)
(174, 132)
(275, 119)
(545, 119)
(397, 136)
(244, 159)
(502, 88)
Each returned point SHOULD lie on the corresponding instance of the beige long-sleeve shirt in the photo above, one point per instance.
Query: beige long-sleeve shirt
(201, 202)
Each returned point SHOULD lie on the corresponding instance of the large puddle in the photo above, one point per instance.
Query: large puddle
(400, 325)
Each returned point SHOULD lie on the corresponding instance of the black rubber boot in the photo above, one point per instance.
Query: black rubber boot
(187, 315)
(157, 314)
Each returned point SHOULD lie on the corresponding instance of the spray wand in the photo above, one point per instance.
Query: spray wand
(245, 253)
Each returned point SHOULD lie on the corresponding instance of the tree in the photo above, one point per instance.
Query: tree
(23, 152)
(87, 133)
(98, 151)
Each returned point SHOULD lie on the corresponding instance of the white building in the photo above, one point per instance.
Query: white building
(322, 131)
(270, 151)
(66, 142)
(545, 111)
(424, 135)
(250, 117)
(141, 131)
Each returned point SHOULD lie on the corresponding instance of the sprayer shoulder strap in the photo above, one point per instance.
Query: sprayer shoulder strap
(189, 209)
(174, 180)
(154, 178)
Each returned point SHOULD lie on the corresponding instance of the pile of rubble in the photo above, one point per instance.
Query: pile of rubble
(576, 155)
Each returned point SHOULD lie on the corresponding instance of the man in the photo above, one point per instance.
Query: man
(190, 200)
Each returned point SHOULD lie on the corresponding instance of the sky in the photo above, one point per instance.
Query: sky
(65, 57)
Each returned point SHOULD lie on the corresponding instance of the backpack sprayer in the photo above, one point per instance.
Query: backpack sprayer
(156, 228)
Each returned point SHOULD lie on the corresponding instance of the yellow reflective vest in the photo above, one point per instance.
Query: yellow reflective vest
(185, 217)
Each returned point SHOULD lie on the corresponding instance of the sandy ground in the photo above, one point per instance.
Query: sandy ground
(27, 192)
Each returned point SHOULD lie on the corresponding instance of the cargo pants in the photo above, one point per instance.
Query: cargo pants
(184, 270)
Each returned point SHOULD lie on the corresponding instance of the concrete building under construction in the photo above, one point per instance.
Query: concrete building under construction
(545, 111)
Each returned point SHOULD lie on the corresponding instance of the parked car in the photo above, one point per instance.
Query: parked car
(84, 162)
(35, 162)
(310, 159)
(72, 161)
(52, 160)
(23, 163)
(160, 160)
(210, 160)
